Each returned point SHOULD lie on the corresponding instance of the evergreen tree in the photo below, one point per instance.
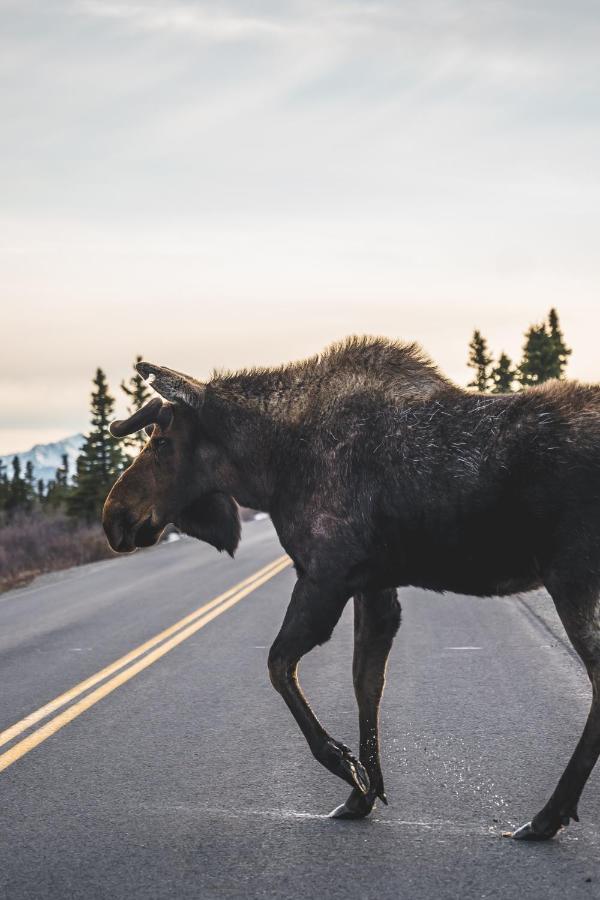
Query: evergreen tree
(17, 489)
(30, 487)
(539, 361)
(545, 353)
(41, 491)
(138, 393)
(503, 375)
(50, 493)
(59, 489)
(16, 467)
(481, 361)
(3, 486)
(561, 350)
(101, 460)
(62, 473)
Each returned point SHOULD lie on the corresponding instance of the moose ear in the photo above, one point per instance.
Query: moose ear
(172, 385)
(213, 518)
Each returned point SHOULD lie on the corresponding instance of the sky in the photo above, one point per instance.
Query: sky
(232, 183)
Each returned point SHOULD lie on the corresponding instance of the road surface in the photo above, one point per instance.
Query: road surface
(180, 773)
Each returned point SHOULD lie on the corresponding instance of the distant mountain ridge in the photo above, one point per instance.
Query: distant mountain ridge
(46, 458)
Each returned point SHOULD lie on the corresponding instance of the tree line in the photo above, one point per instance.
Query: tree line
(545, 356)
(99, 464)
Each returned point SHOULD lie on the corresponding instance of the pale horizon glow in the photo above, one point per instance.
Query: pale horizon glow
(221, 186)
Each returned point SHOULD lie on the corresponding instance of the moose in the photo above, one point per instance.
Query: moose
(378, 472)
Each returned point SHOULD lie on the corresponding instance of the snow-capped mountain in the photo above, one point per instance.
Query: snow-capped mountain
(46, 458)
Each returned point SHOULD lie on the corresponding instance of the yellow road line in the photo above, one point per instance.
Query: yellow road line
(9, 733)
(45, 731)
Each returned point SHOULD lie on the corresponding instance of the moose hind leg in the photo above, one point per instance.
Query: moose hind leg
(376, 621)
(581, 619)
(312, 615)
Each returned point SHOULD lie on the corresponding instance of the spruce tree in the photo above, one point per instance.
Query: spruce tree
(503, 375)
(481, 361)
(3, 486)
(101, 460)
(50, 493)
(138, 393)
(539, 361)
(59, 489)
(560, 348)
(63, 470)
(17, 489)
(30, 487)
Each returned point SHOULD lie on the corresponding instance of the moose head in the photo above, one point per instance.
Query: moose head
(177, 478)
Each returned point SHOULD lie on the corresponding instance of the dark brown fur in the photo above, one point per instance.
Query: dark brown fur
(378, 472)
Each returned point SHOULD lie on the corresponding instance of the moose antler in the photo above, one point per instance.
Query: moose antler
(156, 412)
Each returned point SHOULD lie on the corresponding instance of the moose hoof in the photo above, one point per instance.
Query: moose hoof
(339, 760)
(528, 833)
(545, 825)
(357, 806)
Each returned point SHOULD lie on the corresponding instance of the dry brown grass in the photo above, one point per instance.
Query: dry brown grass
(35, 543)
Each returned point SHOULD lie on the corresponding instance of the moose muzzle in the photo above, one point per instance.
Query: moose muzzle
(124, 532)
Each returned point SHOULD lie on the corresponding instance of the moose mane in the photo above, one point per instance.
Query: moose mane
(391, 370)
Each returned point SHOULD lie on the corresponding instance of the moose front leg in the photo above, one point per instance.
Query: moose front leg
(312, 615)
(376, 621)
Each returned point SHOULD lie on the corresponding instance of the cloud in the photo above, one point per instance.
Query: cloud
(191, 19)
(273, 173)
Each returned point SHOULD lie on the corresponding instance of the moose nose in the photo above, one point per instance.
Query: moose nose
(119, 529)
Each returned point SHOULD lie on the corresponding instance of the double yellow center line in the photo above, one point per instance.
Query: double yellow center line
(126, 667)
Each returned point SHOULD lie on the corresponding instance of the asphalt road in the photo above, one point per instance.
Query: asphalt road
(190, 779)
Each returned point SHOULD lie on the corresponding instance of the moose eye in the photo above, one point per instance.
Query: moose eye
(160, 443)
